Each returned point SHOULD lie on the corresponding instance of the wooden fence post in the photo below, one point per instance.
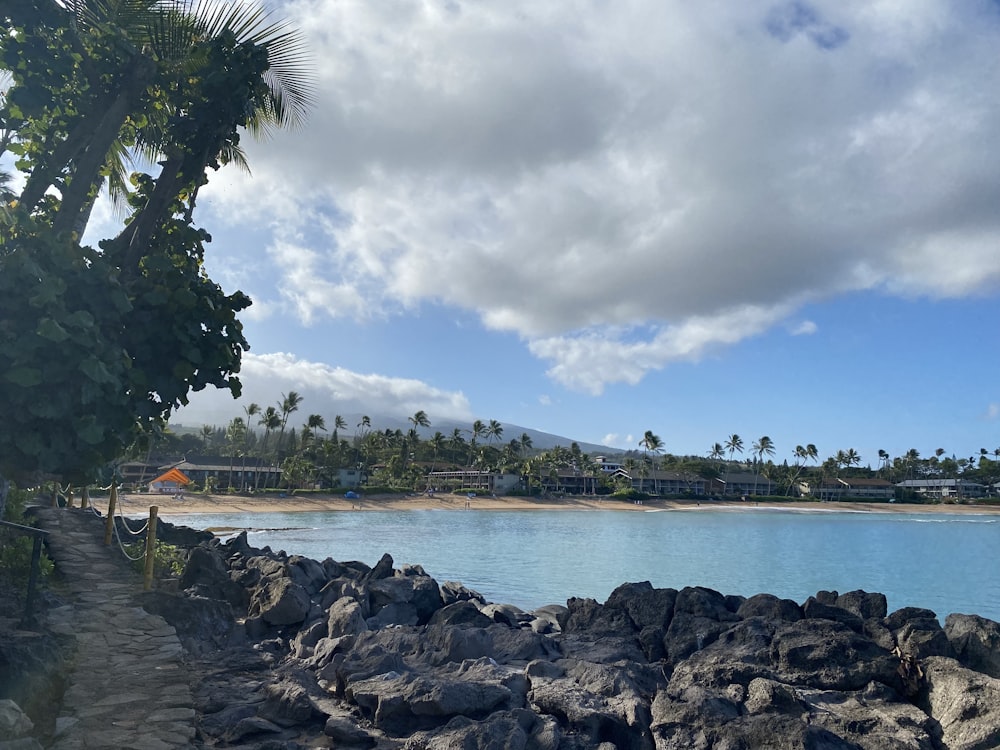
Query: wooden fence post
(109, 522)
(147, 575)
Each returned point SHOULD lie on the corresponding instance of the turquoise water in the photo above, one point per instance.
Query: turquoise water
(947, 563)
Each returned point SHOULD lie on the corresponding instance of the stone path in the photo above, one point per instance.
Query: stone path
(129, 688)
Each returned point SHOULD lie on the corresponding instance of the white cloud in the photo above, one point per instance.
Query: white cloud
(325, 390)
(631, 184)
(803, 328)
(993, 411)
(545, 400)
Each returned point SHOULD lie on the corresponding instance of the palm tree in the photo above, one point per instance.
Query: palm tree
(314, 422)
(526, 443)
(250, 410)
(733, 444)
(419, 419)
(761, 447)
(339, 423)
(288, 404)
(478, 431)
(494, 431)
(260, 81)
(651, 443)
(270, 420)
(207, 433)
(437, 443)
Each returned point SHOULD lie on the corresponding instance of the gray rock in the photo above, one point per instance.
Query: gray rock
(383, 569)
(308, 573)
(344, 731)
(420, 592)
(645, 605)
(452, 591)
(814, 609)
(280, 601)
(864, 604)
(587, 616)
(345, 617)
(202, 625)
(771, 607)
(965, 703)
(460, 612)
(518, 729)
(829, 655)
(13, 721)
(976, 642)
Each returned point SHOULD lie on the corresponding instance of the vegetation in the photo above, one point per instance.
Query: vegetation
(398, 460)
(99, 346)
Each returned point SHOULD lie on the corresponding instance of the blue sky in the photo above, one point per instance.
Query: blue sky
(596, 219)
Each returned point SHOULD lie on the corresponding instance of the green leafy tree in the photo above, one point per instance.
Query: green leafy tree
(99, 346)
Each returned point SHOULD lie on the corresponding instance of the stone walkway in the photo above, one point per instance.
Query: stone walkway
(129, 688)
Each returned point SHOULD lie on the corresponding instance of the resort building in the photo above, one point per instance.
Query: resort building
(944, 489)
(655, 482)
(741, 483)
(473, 479)
(835, 488)
(229, 472)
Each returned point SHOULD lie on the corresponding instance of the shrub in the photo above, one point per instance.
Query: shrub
(15, 548)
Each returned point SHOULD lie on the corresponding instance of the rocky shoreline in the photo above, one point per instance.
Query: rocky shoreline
(291, 652)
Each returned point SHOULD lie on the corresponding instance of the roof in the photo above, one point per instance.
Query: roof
(173, 475)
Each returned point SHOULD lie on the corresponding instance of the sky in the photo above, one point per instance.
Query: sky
(599, 218)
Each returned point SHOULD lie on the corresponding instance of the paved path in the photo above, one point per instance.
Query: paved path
(129, 689)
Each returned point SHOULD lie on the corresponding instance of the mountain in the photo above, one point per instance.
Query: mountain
(539, 440)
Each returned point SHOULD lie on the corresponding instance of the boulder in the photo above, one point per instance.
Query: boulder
(829, 655)
(461, 612)
(587, 616)
(966, 704)
(814, 609)
(13, 721)
(203, 625)
(864, 604)
(452, 592)
(770, 607)
(308, 573)
(382, 569)
(506, 614)
(421, 593)
(280, 601)
(975, 641)
(345, 617)
(400, 704)
(517, 729)
(345, 732)
(645, 605)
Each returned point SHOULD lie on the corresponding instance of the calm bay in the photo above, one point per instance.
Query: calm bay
(944, 562)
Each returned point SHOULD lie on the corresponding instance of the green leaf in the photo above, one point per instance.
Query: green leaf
(52, 331)
(26, 377)
(94, 369)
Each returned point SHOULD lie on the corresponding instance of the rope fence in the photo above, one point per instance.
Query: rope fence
(149, 529)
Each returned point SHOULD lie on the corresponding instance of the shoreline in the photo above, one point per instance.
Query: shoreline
(168, 505)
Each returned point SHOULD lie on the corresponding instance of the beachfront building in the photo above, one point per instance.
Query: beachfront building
(836, 488)
(473, 479)
(945, 489)
(656, 482)
(606, 465)
(738, 484)
(135, 474)
(226, 472)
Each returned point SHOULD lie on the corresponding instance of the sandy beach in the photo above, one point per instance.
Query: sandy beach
(135, 504)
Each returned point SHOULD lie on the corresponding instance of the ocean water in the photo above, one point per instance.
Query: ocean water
(946, 563)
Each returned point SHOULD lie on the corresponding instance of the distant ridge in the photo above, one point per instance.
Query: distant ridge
(540, 441)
